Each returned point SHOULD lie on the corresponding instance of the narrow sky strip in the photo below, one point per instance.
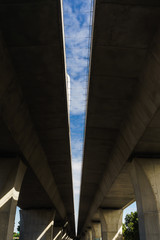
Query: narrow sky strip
(77, 26)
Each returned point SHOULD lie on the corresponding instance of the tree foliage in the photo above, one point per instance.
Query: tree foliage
(130, 227)
(15, 234)
(18, 227)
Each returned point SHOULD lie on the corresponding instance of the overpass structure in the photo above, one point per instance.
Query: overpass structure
(35, 157)
(121, 151)
(122, 139)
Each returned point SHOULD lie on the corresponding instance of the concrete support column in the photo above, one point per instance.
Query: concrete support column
(96, 231)
(11, 175)
(111, 224)
(57, 233)
(89, 234)
(83, 237)
(36, 224)
(86, 236)
(145, 174)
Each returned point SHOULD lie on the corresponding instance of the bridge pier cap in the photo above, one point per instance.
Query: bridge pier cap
(145, 175)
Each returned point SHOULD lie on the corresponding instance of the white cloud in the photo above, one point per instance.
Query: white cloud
(77, 66)
(78, 97)
(77, 41)
(76, 146)
(77, 29)
(76, 166)
(76, 170)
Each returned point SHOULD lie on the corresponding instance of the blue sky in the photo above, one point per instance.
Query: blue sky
(77, 26)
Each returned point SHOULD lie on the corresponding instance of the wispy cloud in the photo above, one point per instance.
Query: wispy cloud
(77, 38)
(76, 146)
(78, 97)
(77, 41)
(77, 165)
(76, 169)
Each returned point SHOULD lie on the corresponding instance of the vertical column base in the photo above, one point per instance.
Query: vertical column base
(11, 176)
(89, 234)
(111, 223)
(36, 224)
(96, 231)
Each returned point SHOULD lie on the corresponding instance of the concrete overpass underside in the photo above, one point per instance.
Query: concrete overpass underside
(34, 120)
(122, 140)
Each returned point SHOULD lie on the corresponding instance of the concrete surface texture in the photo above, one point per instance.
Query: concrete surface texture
(122, 137)
(11, 176)
(57, 233)
(123, 118)
(89, 233)
(37, 224)
(96, 230)
(34, 115)
(145, 174)
(111, 223)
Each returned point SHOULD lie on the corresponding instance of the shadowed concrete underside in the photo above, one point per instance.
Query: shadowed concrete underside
(123, 117)
(34, 117)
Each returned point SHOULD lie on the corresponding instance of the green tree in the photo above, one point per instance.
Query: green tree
(15, 234)
(18, 227)
(130, 227)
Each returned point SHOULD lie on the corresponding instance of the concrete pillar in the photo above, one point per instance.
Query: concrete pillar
(145, 175)
(11, 175)
(57, 233)
(36, 224)
(84, 236)
(96, 231)
(111, 224)
(89, 234)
